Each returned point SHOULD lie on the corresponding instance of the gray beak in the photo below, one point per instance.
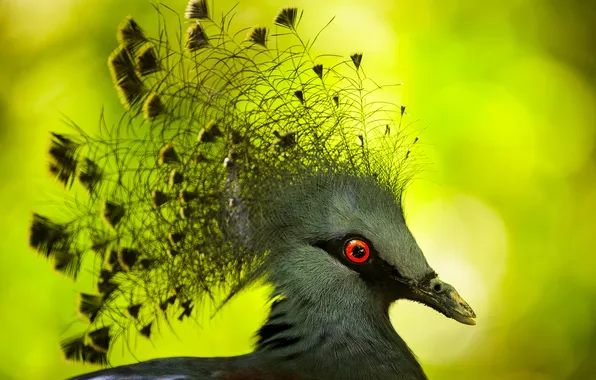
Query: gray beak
(445, 299)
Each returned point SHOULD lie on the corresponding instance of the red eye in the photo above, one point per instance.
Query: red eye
(357, 251)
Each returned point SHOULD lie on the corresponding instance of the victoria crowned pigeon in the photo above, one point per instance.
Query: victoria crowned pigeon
(239, 161)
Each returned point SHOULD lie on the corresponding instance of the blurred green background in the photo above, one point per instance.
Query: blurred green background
(503, 94)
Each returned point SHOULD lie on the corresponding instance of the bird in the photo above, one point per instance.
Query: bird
(242, 158)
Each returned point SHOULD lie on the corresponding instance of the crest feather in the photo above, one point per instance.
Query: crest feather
(213, 121)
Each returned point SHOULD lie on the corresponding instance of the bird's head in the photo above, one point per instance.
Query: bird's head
(347, 235)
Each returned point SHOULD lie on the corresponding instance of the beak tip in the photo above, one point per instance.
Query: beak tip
(470, 321)
(463, 311)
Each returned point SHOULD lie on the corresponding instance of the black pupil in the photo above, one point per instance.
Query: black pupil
(358, 251)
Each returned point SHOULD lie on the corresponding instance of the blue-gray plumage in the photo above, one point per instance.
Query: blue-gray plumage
(234, 183)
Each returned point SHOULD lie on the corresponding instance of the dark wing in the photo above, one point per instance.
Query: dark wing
(233, 368)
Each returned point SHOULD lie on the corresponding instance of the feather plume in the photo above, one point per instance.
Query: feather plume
(76, 350)
(146, 330)
(90, 305)
(197, 38)
(147, 61)
(197, 9)
(133, 310)
(90, 175)
(288, 18)
(258, 36)
(63, 159)
(100, 339)
(153, 106)
(130, 34)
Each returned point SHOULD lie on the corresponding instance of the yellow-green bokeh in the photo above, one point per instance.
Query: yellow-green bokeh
(503, 98)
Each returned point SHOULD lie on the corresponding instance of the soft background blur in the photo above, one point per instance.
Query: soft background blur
(503, 93)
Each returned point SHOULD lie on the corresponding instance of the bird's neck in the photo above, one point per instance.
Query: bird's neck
(328, 323)
(338, 339)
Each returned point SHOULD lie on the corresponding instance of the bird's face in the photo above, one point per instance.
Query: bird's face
(358, 253)
(359, 224)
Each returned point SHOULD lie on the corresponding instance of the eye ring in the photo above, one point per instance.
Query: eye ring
(357, 251)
